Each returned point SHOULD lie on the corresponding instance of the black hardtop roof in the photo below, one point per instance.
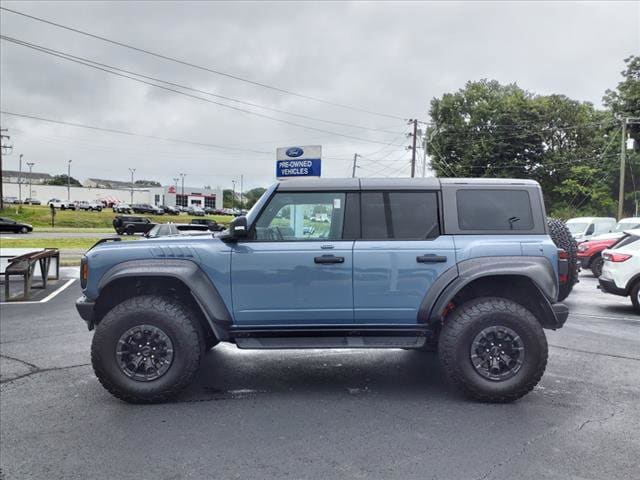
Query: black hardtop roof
(431, 183)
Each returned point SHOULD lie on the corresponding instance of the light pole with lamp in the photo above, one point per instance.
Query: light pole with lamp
(20, 180)
(183, 200)
(233, 195)
(69, 181)
(132, 170)
(31, 164)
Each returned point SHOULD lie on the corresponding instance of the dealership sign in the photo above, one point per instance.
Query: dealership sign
(299, 161)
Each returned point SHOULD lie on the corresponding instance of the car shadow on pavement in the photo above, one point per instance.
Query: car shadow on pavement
(229, 373)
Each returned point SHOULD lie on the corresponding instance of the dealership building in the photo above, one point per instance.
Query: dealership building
(23, 185)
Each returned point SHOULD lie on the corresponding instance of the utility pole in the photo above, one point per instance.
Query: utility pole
(8, 148)
(69, 181)
(31, 164)
(241, 190)
(132, 170)
(413, 147)
(623, 159)
(20, 180)
(355, 161)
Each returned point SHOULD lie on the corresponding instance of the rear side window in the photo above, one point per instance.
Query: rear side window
(494, 210)
(399, 215)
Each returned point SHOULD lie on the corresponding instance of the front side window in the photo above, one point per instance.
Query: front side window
(302, 216)
(399, 215)
(494, 210)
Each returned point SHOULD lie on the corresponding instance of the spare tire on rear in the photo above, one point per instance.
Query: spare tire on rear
(563, 239)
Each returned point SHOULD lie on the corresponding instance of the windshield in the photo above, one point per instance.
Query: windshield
(577, 227)
(622, 226)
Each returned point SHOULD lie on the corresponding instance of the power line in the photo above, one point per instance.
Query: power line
(132, 134)
(44, 49)
(287, 122)
(199, 67)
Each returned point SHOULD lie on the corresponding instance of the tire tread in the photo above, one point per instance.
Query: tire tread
(180, 315)
(453, 329)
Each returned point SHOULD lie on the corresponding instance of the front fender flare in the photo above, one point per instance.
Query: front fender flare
(203, 290)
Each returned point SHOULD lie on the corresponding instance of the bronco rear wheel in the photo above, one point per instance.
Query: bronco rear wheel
(493, 349)
(147, 349)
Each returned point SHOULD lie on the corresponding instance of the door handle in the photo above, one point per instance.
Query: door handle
(328, 259)
(431, 258)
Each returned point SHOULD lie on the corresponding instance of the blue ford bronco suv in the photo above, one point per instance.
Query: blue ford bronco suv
(464, 266)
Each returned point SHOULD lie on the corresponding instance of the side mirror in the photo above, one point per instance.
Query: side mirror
(238, 229)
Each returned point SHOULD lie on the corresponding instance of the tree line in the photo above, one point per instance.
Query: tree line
(571, 148)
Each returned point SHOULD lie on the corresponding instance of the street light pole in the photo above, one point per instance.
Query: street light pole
(182, 175)
(132, 170)
(20, 180)
(31, 164)
(69, 181)
(233, 195)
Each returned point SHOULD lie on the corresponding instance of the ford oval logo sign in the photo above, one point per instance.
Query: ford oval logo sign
(294, 152)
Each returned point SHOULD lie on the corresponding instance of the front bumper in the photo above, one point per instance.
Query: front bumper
(610, 286)
(85, 308)
(561, 313)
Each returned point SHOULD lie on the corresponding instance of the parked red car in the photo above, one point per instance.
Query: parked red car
(589, 253)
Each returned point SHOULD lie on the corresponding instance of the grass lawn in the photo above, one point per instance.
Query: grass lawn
(61, 243)
(78, 221)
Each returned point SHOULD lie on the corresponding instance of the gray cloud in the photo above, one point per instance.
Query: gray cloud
(386, 57)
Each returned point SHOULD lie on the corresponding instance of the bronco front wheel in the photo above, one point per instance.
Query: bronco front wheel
(146, 349)
(493, 349)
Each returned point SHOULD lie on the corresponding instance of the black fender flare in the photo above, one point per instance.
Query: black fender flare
(452, 281)
(190, 274)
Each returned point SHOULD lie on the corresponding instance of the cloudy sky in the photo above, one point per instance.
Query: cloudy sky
(387, 60)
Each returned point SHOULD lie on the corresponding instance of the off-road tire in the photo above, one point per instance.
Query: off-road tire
(456, 338)
(172, 318)
(635, 296)
(561, 236)
(596, 266)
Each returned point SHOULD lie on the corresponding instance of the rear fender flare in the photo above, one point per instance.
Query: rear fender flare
(537, 269)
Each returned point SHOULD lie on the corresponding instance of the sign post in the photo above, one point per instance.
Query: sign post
(299, 161)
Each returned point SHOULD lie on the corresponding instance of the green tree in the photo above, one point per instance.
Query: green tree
(62, 180)
(147, 183)
(491, 130)
(252, 196)
(624, 102)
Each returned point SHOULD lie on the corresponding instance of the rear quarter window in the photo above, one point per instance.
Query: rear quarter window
(494, 209)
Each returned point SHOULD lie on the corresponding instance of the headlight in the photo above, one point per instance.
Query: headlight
(583, 248)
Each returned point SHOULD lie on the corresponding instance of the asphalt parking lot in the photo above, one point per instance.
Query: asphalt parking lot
(321, 414)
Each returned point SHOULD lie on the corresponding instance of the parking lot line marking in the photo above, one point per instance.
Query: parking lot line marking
(45, 299)
(607, 317)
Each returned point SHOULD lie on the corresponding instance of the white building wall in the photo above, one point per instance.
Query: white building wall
(46, 192)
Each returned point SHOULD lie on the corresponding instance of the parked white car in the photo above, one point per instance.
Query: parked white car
(89, 206)
(584, 228)
(122, 208)
(621, 270)
(61, 204)
(630, 223)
